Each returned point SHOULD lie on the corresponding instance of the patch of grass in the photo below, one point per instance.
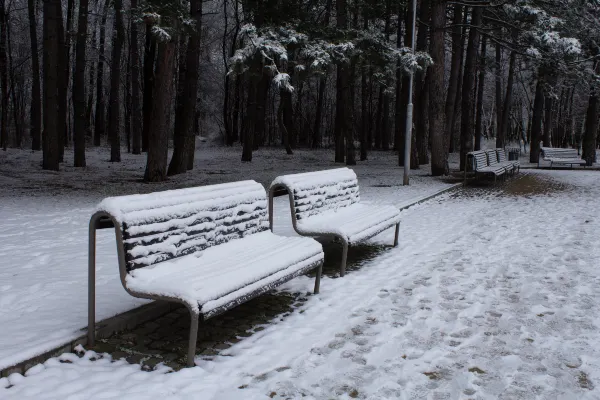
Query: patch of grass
(526, 185)
(530, 340)
(432, 375)
(476, 370)
(584, 382)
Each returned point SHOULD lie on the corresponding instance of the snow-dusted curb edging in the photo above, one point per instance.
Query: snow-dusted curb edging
(105, 328)
(414, 202)
(133, 318)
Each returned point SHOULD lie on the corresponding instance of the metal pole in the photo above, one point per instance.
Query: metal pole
(409, 108)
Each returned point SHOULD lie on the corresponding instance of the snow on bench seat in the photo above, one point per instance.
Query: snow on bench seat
(355, 223)
(484, 163)
(326, 204)
(561, 156)
(221, 274)
(207, 247)
(502, 161)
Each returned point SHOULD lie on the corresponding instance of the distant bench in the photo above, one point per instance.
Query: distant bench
(326, 204)
(561, 156)
(208, 248)
(490, 162)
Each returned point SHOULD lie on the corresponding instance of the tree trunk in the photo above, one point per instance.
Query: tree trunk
(115, 76)
(439, 149)
(62, 86)
(468, 98)
(421, 95)
(364, 99)
(501, 137)
(591, 128)
(158, 137)
(184, 142)
(235, 131)
(149, 60)
(136, 106)
(51, 59)
(316, 140)
(455, 67)
(498, 92)
(36, 93)
(79, 86)
(536, 120)
(548, 102)
(3, 77)
(455, 123)
(480, 92)
(100, 120)
(91, 83)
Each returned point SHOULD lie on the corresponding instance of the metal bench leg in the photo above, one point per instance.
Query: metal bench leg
(396, 234)
(193, 337)
(344, 259)
(318, 279)
(91, 334)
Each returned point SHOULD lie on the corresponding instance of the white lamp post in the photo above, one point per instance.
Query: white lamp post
(409, 108)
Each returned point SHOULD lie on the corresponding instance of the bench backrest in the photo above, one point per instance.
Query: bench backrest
(165, 225)
(316, 192)
(479, 159)
(501, 155)
(551, 152)
(492, 157)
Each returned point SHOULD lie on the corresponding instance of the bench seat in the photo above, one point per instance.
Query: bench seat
(218, 275)
(326, 204)
(571, 161)
(206, 247)
(493, 169)
(354, 223)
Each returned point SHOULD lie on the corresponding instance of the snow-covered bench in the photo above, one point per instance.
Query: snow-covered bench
(561, 156)
(209, 248)
(326, 204)
(512, 164)
(481, 164)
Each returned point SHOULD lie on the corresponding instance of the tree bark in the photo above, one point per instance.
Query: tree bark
(501, 136)
(51, 58)
(480, 92)
(548, 102)
(79, 86)
(468, 98)
(158, 138)
(402, 98)
(498, 91)
(184, 142)
(3, 77)
(422, 91)
(100, 118)
(439, 149)
(455, 66)
(136, 106)
(36, 92)
(62, 86)
(149, 60)
(455, 123)
(536, 120)
(591, 129)
(115, 76)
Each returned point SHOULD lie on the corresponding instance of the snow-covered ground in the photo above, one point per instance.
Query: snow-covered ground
(44, 223)
(488, 296)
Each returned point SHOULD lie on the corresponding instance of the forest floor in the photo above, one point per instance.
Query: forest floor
(492, 293)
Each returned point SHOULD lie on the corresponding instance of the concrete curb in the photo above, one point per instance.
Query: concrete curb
(151, 311)
(414, 202)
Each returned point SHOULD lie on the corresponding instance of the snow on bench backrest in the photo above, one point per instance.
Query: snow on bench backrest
(164, 225)
(492, 157)
(501, 155)
(550, 152)
(316, 192)
(480, 159)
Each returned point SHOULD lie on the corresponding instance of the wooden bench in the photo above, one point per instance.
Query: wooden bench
(209, 248)
(561, 156)
(326, 204)
(512, 165)
(480, 164)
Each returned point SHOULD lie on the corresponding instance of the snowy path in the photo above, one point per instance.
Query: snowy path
(43, 238)
(490, 297)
